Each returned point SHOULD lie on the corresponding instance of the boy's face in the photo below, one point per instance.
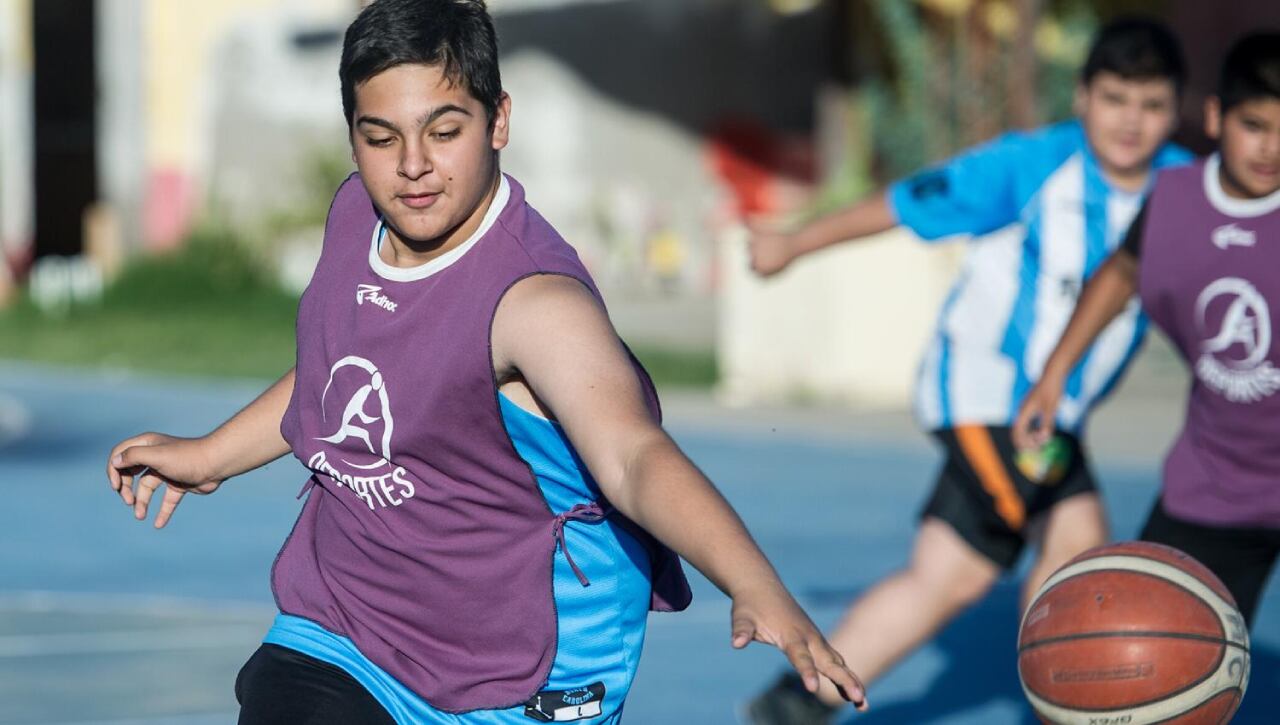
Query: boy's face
(1248, 137)
(1126, 121)
(425, 150)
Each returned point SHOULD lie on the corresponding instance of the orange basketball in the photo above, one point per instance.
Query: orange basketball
(1133, 633)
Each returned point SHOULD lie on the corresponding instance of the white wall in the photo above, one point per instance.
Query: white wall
(609, 177)
(846, 325)
(16, 177)
(122, 120)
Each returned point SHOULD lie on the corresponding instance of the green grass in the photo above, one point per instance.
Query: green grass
(205, 344)
(211, 310)
(671, 368)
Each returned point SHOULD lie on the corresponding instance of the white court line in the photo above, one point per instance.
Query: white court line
(203, 718)
(154, 606)
(15, 419)
(143, 640)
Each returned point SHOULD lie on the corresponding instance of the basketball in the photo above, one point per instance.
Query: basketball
(1133, 633)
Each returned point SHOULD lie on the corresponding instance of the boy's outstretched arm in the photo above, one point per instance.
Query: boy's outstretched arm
(249, 439)
(551, 331)
(771, 252)
(1104, 297)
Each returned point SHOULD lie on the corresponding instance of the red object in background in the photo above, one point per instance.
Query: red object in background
(19, 260)
(169, 208)
(751, 159)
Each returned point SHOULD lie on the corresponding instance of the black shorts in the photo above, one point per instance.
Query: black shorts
(988, 492)
(280, 686)
(1241, 557)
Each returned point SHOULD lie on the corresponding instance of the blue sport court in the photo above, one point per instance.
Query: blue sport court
(105, 621)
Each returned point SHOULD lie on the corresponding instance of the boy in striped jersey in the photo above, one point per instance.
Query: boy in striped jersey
(1043, 209)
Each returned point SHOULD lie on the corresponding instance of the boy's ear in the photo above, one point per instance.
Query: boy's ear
(1213, 117)
(501, 128)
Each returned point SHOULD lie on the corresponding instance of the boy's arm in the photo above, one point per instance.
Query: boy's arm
(972, 193)
(1104, 297)
(771, 252)
(249, 439)
(551, 331)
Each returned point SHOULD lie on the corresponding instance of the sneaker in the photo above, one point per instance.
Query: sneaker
(788, 703)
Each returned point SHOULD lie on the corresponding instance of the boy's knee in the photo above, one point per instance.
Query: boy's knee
(954, 587)
(966, 592)
(1058, 550)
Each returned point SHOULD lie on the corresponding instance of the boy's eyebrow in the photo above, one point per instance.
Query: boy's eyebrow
(374, 120)
(426, 120)
(438, 112)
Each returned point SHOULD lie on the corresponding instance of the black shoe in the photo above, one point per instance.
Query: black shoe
(788, 703)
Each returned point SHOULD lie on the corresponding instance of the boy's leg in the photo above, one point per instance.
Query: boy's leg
(897, 615)
(1071, 527)
(970, 531)
(1241, 557)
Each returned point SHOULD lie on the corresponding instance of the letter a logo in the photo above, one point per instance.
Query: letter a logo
(360, 412)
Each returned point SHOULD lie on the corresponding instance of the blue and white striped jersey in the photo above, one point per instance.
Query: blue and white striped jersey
(1042, 219)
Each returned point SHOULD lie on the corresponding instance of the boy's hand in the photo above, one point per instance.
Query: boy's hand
(770, 615)
(1033, 427)
(137, 467)
(770, 252)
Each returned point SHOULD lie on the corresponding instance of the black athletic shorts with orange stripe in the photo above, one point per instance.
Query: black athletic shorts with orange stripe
(988, 492)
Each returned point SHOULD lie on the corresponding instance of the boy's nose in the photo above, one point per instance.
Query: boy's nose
(414, 162)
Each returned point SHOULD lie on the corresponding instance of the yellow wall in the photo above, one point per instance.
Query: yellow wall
(180, 35)
(17, 15)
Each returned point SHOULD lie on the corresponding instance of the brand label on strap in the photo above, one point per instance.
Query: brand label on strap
(566, 705)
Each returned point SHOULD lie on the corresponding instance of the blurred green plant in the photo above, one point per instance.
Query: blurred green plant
(212, 308)
(678, 368)
(214, 269)
(322, 169)
(949, 73)
(933, 77)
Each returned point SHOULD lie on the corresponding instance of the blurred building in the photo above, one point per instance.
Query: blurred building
(642, 127)
(109, 111)
(645, 130)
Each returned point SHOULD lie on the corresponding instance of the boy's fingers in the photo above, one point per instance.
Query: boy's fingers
(743, 632)
(798, 653)
(115, 461)
(133, 456)
(126, 489)
(147, 485)
(851, 688)
(168, 503)
(1044, 433)
(1022, 433)
(113, 475)
(138, 456)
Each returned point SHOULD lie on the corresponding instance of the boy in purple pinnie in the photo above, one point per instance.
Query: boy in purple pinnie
(489, 479)
(1204, 257)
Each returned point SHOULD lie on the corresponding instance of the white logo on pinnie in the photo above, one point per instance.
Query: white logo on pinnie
(1231, 234)
(373, 293)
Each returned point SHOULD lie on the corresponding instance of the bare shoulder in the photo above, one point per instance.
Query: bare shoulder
(545, 301)
(548, 288)
(548, 310)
